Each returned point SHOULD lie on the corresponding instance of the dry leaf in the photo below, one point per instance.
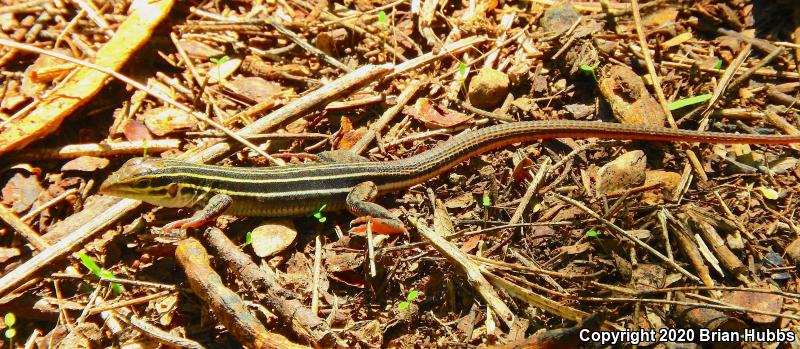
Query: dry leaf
(254, 88)
(85, 164)
(199, 50)
(434, 117)
(8, 253)
(272, 237)
(757, 301)
(21, 191)
(135, 130)
(34, 83)
(661, 17)
(462, 201)
(343, 261)
(164, 120)
(442, 224)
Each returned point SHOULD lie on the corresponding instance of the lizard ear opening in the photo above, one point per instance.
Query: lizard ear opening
(172, 189)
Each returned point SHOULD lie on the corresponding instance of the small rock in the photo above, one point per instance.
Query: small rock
(669, 183)
(488, 88)
(624, 172)
(273, 237)
(793, 251)
(630, 101)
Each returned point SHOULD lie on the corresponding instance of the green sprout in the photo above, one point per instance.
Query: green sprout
(10, 319)
(90, 264)
(486, 200)
(319, 215)
(248, 238)
(410, 298)
(383, 21)
(219, 62)
(461, 76)
(718, 65)
(590, 69)
(144, 148)
(592, 234)
(688, 101)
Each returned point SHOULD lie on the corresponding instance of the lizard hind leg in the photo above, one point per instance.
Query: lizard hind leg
(359, 203)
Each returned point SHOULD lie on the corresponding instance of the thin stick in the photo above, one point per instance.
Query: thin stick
(317, 268)
(628, 235)
(22, 228)
(387, 116)
(537, 180)
(471, 269)
(371, 250)
(48, 204)
(651, 69)
(142, 87)
(689, 304)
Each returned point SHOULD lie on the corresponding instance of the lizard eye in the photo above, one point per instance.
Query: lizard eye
(142, 183)
(172, 189)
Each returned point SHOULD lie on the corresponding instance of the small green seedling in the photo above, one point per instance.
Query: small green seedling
(410, 298)
(590, 69)
(674, 105)
(89, 263)
(461, 75)
(219, 62)
(319, 215)
(592, 234)
(144, 148)
(718, 65)
(10, 319)
(383, 21)
(486, 200)
(248, 238)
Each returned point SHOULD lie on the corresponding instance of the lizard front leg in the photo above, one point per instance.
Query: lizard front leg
(359, 203)
(215, 207)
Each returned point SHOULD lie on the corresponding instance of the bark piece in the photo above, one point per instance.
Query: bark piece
(227, 305)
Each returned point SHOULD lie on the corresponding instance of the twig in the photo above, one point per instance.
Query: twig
(153, 146)
(28, 216)
(316, 274)
(472, 271)
(154, 332)
(99, 308)
(389, 115)
(371, 250)
(689, 304)
(229, 308)
(651, 69)
(532, 187)
(307, 46)
(752, 70)
(628, 235)
(22, 228)
(142, 87)
(304, 323)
